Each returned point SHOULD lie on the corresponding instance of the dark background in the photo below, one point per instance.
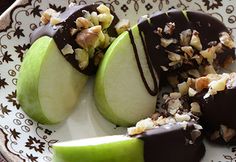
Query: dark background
(4, 4)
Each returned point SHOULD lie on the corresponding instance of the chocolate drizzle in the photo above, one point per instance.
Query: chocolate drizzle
(157, 56)
(150, 91)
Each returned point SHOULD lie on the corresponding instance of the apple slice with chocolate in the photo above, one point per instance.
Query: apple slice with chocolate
(65, 50)
(125, 86)
(216, 94)
(163, 46)
(153, 145)
(48, 87)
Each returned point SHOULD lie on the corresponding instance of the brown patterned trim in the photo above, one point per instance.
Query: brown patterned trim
(9, 20)
(9, 158)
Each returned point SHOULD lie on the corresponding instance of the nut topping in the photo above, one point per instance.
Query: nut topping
(46, 15)
(195, 41)
(83, 58)
(188, 50)
(89, 38)
(201, 83)
(169, 28)
(82, 22)
(67, 49)
(185, 37)
(226, 40)
(167, 42)
(195, 108)
(122, 25)
(209, 54)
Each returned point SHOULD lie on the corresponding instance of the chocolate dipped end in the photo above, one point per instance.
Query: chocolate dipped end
(160, 144)
(210, 29)
(218, 113)
(165, 34)
(61, 34)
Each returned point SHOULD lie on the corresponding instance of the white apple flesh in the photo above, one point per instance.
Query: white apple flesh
(117, 148)
(120, 94)
(48, 87)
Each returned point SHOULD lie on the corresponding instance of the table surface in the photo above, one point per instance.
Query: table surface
(4, 4)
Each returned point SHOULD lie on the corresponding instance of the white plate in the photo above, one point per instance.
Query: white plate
(21, 138)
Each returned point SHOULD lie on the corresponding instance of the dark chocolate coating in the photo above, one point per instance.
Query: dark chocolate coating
(208, 27)
(61, 33)
(219, 108)
(171, 145)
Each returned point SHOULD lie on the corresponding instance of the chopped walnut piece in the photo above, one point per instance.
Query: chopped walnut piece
(209, 54)
(135, 130)
(83, 58)
(182, 117)
(198, 58)
(55, 20)
(183, 88)
(155, 116)
(173, 56)
(191, 82)
(166, 42)
(106, 41)
(195, 41)
(201, 83)
(218, 83)
(160, 121)
(227, 133)
(87, 14)
(103, 9)
(175, 95)
(191, 92)
(195, 108)
(73, 31)
(105, 19)
(185, 37)
(82, 22)
(209, 69)
(173, 105)
(141, 126)
(169, 28)
(89, 38)
(94, 18)
(226, 40)
(67, 49)
(46, 15)
(188, 49)
(122, 25)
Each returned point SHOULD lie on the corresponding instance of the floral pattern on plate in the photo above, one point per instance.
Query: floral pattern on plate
(30, 141)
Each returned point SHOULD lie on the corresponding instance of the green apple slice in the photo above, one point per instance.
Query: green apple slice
(120, 94)
(117, 148)
(48, 86)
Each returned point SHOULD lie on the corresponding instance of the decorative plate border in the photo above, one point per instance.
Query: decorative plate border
(38, 139)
